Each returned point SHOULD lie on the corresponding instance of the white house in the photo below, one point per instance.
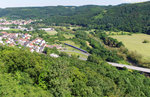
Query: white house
(54, 55)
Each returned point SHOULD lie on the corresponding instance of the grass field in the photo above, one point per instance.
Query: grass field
(135, 43)
(92, 30)
(77, 54)
(52, 32)
(71, 43)
(68, 36)
(88, 44)
(14, 30)
(117, 33)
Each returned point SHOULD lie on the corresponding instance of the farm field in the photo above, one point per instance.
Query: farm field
(117, 33)
(135, 43)
(14, 30)
(52, 32)
(68, 36)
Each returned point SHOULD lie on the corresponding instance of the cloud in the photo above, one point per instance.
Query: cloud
(133, 1)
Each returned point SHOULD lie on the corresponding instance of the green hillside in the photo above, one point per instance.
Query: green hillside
(124, 17)
(49, 11)
(130, 17)
(26, 74)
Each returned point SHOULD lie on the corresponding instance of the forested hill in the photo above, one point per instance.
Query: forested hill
(125, 17)
(39, 75)
(128, 17)
(49, 11)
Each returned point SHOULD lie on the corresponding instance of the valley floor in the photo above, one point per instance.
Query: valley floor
(135, 43)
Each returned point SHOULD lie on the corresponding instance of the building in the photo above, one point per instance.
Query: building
(47, 29)
(54, 55)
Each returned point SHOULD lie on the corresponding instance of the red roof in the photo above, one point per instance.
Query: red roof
(31, 44)
(3, 32)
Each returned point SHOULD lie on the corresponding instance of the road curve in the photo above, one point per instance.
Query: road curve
(146, 70)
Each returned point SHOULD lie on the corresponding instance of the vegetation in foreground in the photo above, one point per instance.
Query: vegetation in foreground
(32, 74)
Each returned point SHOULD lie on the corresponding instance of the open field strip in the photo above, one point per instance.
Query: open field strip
(135, 43)
(52, 32)
(68, 36)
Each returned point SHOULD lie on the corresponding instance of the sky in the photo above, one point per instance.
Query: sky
(27, 3)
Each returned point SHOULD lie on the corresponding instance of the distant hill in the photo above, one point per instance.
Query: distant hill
(55, 14)
(126, 17)
(47, 12)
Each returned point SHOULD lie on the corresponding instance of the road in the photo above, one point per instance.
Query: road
(146, 70)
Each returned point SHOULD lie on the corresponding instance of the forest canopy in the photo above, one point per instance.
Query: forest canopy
(125, 17)
(32, 74)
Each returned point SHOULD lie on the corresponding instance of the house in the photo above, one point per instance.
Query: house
(4, 28)
(47, 29)
(7, 41)
(31, 50)
(54, 55)
(38, 39)
(22, 41)
(30, 45)
(37, 49)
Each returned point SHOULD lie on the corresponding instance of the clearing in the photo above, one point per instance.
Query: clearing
(134, 42)
(117, 33)
(68, 36)
(52, 32)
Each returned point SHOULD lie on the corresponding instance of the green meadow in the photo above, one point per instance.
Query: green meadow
(117, 33)
(134, 42)
(68, 36)
(52, 32)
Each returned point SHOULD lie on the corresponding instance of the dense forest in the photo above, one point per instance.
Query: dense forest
(50, 12)
(125, 17)
(130, 17)
(32, 74)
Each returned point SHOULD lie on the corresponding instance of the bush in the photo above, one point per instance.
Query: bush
(145, 41)
(134, 57)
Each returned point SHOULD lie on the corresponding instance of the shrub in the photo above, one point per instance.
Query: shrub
(145, 41)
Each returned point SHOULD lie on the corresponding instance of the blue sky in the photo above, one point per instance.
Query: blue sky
(22, 3)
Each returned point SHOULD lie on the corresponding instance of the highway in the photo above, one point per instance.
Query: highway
(146, 70)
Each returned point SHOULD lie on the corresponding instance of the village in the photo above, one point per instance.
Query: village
(18, 39)
(15, 22)
(19, 24)
(6, 25)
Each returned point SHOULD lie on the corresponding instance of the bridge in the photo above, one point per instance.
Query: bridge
(146, 70)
